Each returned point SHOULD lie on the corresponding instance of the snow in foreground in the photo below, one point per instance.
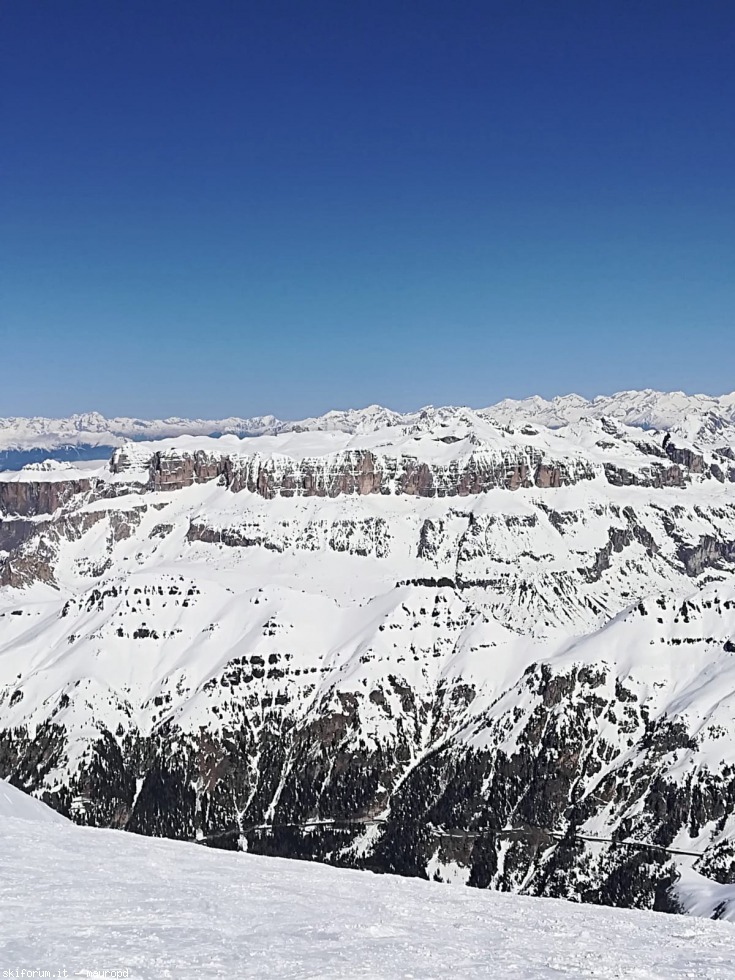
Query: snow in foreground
(83, 900)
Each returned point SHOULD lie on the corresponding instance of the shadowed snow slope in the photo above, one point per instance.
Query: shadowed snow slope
(83, 899)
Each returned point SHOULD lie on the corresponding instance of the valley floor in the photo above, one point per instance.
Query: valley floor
(82, 899)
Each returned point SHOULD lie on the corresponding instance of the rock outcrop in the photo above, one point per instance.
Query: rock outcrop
(29, 498)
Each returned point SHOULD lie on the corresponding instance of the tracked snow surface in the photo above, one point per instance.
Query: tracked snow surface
(81, 899)
(482, 651)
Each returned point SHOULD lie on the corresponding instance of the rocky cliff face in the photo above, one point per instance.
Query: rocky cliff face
(353, 472)
(476, 467)
(449, 650)
(31, 498)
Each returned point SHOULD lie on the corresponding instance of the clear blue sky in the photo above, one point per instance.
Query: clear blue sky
(228, 207)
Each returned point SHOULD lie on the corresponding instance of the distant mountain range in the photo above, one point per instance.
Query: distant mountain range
(92, 436)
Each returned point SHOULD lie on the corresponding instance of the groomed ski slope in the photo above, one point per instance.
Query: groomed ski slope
(83, 900)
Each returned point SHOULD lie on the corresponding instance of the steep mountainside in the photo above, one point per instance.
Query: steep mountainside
(449, 647)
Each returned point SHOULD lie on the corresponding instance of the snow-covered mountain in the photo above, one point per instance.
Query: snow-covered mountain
(487, 652)
(91, 428)
(649, 409)
(91, 435)
(84, 901)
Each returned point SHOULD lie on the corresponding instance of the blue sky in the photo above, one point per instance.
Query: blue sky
(238, 208)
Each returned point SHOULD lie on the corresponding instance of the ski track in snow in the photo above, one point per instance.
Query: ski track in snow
(83, 899)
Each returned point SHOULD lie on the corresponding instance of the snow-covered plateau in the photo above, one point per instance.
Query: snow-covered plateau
(465, 646)
(84, 901)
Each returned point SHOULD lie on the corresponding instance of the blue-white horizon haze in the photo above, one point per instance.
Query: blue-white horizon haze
(239, 208)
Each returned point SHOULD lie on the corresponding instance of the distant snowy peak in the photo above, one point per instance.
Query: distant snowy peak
(645, 409)
(703, 418)
(93, 429)
(351, 420)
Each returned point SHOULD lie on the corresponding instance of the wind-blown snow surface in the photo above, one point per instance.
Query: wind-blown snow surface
(82, 899)
(473, 646)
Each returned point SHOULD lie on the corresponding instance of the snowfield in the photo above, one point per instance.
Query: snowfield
(83, 899)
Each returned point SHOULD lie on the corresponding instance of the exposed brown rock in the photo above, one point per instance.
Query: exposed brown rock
(29, 498)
